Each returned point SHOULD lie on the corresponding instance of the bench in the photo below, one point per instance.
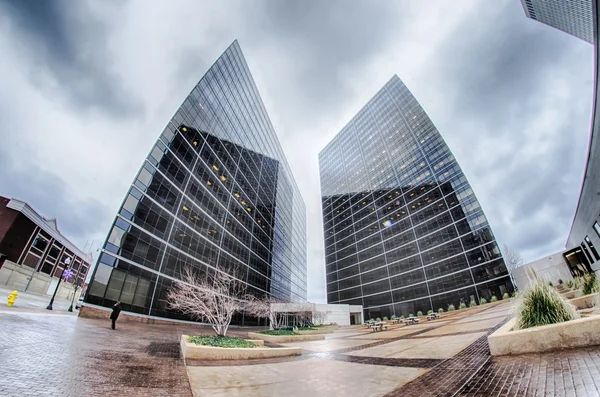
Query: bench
(385, 327)
(376, 327)
(433, 316)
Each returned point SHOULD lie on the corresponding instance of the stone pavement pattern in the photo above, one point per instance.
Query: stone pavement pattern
(57, 354)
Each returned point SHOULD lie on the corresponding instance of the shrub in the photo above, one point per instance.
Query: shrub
(570, 283)
(394, 317)
(429, 312)
(278, 332)
(482, 301)
(419, 313)
(385, 318)
(451, 307)
(220, 341)
(411, 315)
(505, 296)
(494, 299)
(550, 283)
(472, 304)
(560, 281)
(441, 310)
(590, 284)
(543, 305)
(378, 319)
(462, 306)
(401, 316)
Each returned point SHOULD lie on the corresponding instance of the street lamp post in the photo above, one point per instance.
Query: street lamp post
(63, 275)
(76, 285)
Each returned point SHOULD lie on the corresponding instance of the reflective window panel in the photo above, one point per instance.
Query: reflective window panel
(404, 231)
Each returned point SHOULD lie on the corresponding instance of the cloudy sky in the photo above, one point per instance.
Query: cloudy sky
(87, 87)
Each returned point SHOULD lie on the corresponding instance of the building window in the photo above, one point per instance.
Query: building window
(592, 248)
(597, 228)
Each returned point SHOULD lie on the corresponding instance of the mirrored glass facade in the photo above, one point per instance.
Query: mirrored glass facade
(403, 229)
(215, 193)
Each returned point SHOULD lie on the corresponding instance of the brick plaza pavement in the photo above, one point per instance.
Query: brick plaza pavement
(59, 354)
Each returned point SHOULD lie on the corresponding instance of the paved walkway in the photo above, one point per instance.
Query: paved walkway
(57, 354)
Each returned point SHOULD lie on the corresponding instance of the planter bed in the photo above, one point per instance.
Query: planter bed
(584, 302)
(200, 352)
(569, 334)
(285, 338)
(316, 331)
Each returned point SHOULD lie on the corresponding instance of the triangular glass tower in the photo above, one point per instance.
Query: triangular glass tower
(215, 193)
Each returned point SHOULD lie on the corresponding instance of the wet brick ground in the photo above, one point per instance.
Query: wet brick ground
(62, 355)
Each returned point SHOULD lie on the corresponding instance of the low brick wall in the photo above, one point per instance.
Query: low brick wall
(198, 352)
(569, 334)
(285, 338)
(104, 314)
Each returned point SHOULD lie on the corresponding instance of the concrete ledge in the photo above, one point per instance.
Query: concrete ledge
(285, 338)
(103, 313)
(317, 332)
(584, 302)
(198, 352)
(570, 334)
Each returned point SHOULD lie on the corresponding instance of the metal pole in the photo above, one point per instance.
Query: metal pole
(49, 307)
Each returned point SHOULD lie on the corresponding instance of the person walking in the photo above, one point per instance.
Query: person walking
(115, 314)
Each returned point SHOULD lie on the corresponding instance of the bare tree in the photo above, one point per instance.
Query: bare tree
(320, 316)
(512, 258)
(212, 298)
(267, 307)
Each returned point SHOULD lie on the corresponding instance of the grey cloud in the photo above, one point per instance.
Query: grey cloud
(52, 197)
(64, 39)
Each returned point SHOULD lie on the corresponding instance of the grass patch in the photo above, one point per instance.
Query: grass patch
(278, 332)
(220, 341)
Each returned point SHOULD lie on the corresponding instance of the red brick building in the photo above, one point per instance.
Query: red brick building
(34, 253)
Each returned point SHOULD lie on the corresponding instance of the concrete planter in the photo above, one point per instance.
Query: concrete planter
(570, 334)
(584, 302)
(198, 352)
(317, 332)
(285, 338)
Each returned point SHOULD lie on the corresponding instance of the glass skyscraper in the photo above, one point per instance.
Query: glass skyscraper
(216, 194)
(403, 229)
(575, 17)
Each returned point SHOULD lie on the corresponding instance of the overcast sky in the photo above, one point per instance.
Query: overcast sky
(87, 87)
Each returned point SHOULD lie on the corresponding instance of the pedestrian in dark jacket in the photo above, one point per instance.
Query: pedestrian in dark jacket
(115, 314)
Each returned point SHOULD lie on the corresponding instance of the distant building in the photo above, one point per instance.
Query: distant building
(574, 17)
(584, 236)
(34, 253)
(404, 231)
(215, 194)
(551, 268)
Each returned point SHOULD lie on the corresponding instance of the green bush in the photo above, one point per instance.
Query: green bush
(440, 310)
(482, 301)
(394, 317)
(378, 319)
(462, 306)
(419, 313)
(570, 283)
(451, 307)
(590, 284)
(550, 283)
(494, 299)
(560, 281)
(220, 341)
(385, 318)
(505, 296)
(410, 315)
(472, 304)
(429, 312)
(401, 316)
(278, 332)
(543, 305)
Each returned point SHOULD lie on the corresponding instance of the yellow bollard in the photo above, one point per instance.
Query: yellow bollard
(12, 298)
